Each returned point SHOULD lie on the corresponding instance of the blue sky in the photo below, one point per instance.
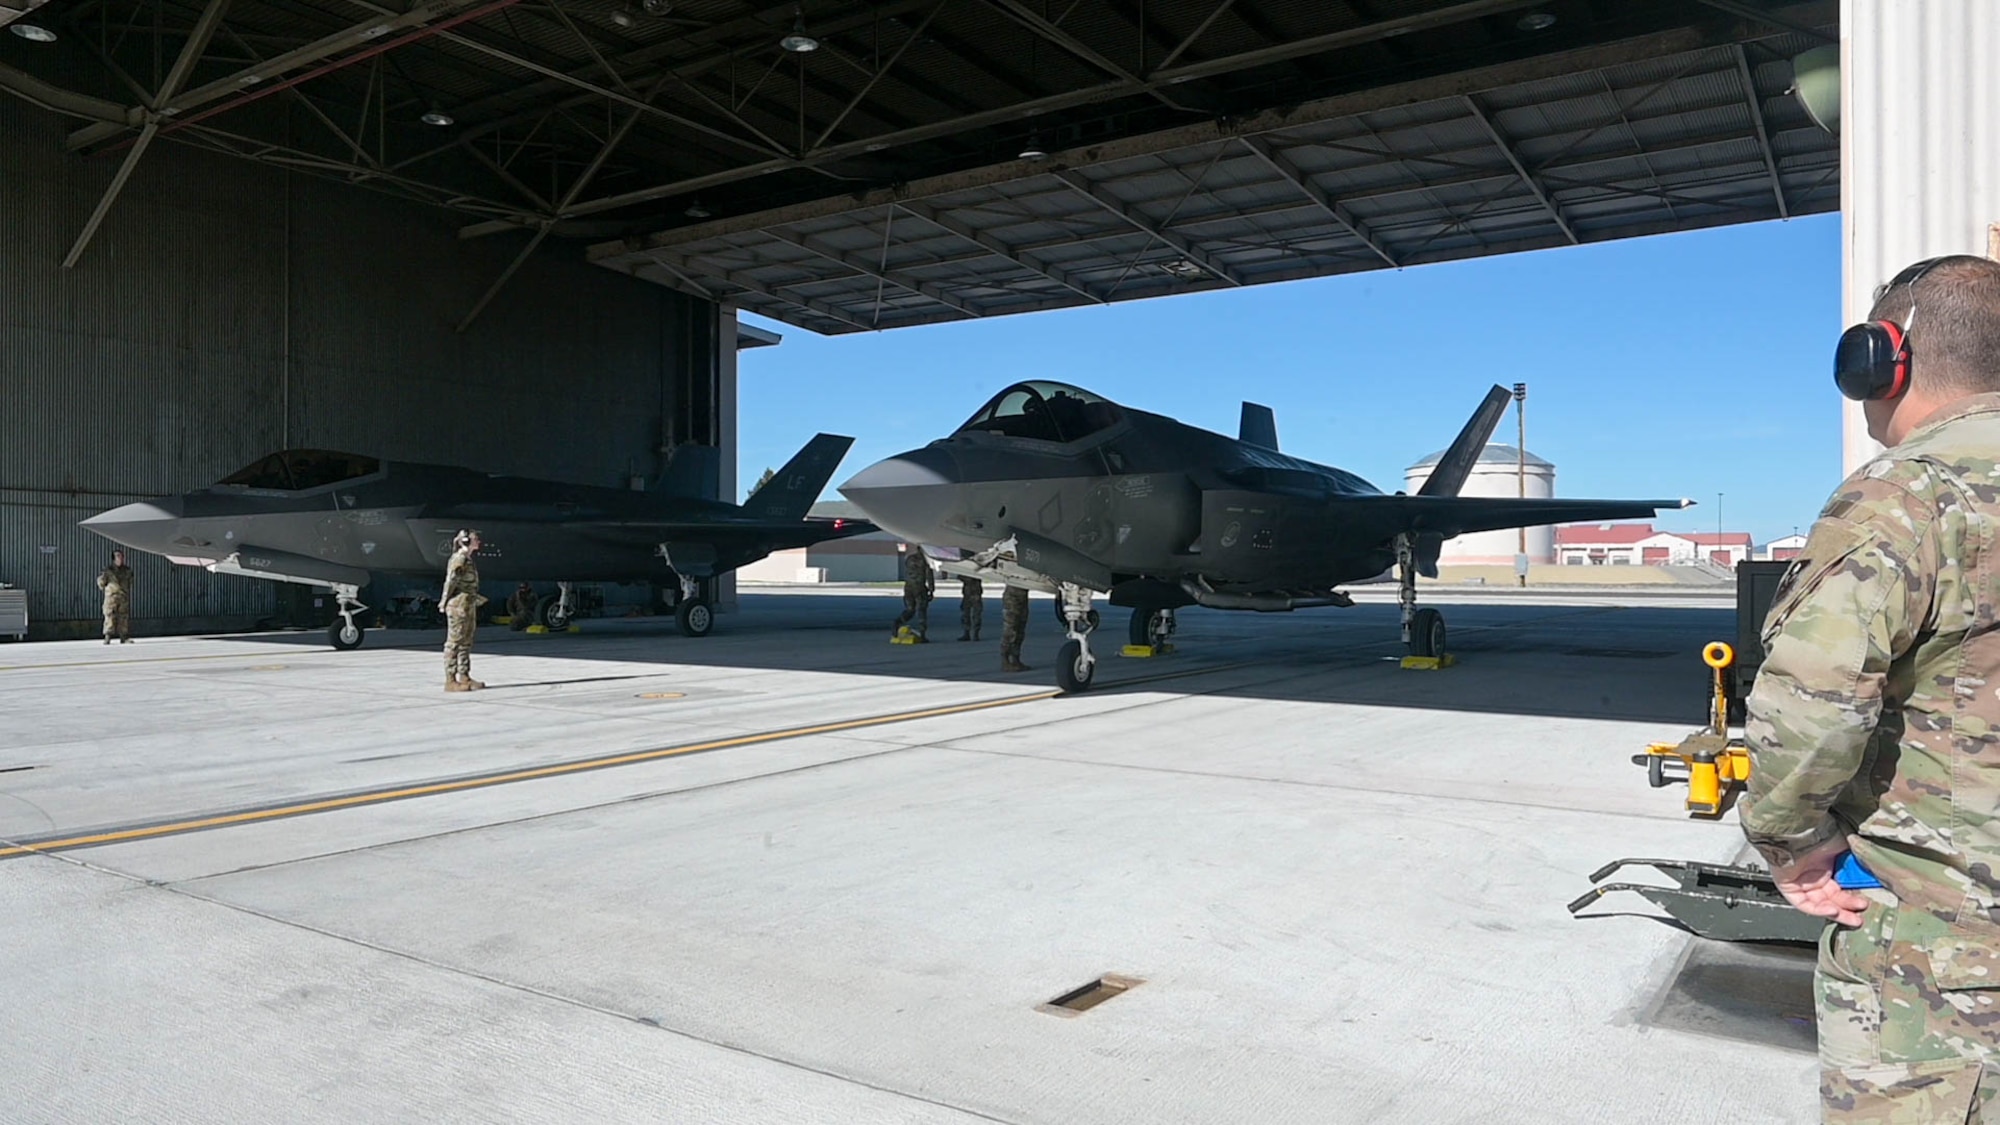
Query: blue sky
(1680, 365)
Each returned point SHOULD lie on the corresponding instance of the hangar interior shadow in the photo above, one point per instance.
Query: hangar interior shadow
(1639, 664)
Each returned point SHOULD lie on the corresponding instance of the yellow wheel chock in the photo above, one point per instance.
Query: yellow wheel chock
(1711, 762)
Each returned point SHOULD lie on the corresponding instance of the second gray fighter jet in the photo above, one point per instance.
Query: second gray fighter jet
(329, 519)
(1051, 487)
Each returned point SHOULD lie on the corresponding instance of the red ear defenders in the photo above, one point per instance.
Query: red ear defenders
(1872, 360)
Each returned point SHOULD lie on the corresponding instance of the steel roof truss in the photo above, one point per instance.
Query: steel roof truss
(946, 221)
(861, 265)
(1290, 172)
(1507, 150)
(1756, 106)
(1097, 194)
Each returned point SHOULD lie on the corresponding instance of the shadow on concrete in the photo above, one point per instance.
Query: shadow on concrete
(1637, 663)
(1759, 994)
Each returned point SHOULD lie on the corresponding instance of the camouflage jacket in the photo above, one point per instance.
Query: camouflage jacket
(115, 581)
(461, 576)
(917, 576)
(1875, 715)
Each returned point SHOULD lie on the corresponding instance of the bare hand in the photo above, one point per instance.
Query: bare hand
(1809, 885)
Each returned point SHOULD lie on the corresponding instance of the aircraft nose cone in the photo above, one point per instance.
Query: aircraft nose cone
(908, 494)
(144, 526)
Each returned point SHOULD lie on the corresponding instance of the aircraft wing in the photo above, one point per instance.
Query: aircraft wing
(794, 533)
(1460, 515)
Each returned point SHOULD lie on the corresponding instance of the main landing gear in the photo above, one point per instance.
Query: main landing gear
(1075, 666)
(556, 611)
(347, 633)
(694, 616)
(1423, 629)
(1151, 628)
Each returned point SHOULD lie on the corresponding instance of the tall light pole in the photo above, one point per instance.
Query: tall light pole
(1718, 525)
(1521, 474)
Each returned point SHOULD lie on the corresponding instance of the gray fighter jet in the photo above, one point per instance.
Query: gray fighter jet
(329, 519)
(1054, 488)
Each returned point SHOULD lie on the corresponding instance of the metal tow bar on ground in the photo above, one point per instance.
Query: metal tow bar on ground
(1714, 765)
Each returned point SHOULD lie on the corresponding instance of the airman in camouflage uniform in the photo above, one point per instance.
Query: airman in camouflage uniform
(461, 603)
(971, 608)
(1874, 726)
(116, 582)
(919, 584)
(1013, 628)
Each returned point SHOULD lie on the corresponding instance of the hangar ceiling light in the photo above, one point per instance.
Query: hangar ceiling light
(1033, 149)
(696, 211)
(1536, 21)
(798, 42)
(33, 32)
(436, 116)
(623, 17)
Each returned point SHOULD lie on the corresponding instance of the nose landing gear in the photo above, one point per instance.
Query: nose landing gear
(347, 633)
(1075, 666)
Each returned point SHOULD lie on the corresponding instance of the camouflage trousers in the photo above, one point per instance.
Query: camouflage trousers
(1013, 624)
(971, 612)
(117, 618)
(917, 607)
(460, 623)
(1909, 1020)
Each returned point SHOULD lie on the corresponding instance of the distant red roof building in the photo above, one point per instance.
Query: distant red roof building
(1604, 534)
(1726, 539)
(1642, 544)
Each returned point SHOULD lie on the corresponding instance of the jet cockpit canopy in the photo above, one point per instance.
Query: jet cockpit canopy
(295, 470)
(1044, 411)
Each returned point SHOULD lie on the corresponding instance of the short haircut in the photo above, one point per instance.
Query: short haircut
(1955, 330)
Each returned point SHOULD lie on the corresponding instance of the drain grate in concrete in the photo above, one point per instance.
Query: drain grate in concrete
(1754, 993)
(1077, 1001)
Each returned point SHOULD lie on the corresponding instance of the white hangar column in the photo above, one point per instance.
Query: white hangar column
(725, 425)
(1919, 149)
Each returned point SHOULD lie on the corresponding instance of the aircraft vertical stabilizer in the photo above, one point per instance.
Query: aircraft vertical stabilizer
(1259, 426)
(1456, 464)
(693, 471)
(790, 492)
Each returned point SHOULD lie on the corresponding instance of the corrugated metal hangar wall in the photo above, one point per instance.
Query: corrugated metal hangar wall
(228, 309)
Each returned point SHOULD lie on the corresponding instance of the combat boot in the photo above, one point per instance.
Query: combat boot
(453, 683)
(1013, 666)
(467, 683)
(965, 636)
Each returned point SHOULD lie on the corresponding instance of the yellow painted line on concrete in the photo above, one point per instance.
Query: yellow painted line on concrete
(378, 796)
(137, 660)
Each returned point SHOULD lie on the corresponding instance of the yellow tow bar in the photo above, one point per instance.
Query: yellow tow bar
(1710, 760)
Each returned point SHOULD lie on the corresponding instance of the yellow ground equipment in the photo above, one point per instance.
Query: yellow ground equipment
(1709, 760)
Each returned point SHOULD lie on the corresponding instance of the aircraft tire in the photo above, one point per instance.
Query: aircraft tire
(695, 618)
(343, 636)
(1073, 673)
(549, 614)
(1427, 636)
(1141, 630)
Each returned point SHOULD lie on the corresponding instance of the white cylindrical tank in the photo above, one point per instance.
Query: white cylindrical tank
(1495, 475)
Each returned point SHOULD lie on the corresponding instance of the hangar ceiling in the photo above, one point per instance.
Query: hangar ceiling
(879, 179)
